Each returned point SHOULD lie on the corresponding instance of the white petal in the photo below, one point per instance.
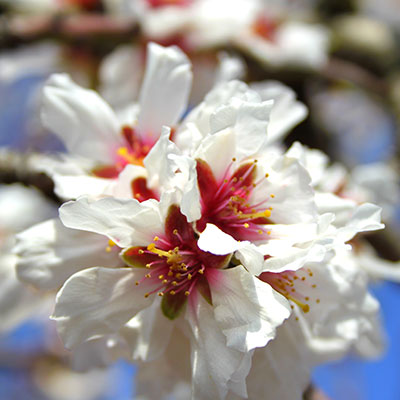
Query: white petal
(215, 241)
(169, 170)
(289, 185)
(251, 257)
(71, 187)
(366, 217)
(329, 202)
(378, 267)
(165, 90)
(286, 112)
(314, 161)
(247, 309)
(98, 301)
(49, 253)
(213, 363)
(120, 74)
(98, 353)
(248, 120)
(148, 333)
(126, 221)
(122, 187)
(229, 68)
(172, 370)
(83, 121)
(281, 369)
(21, 207)
(295, 258)
(17, 301)
(217, 151)
(222, 94)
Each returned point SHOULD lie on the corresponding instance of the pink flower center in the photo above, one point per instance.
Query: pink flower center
(165, 3)
(176, 264)
(265, 28)
(293, 285)
(228, 204)
(134, 152)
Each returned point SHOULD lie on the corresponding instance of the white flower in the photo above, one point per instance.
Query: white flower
(285, 44)
(91, 130)
(19, 207)
(284, 112)
(198, 23)
(245, 310)
(121, 73)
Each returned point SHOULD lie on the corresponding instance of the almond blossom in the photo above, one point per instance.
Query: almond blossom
(160, 248)
(222, 239)
(100, 145)
(19, 207)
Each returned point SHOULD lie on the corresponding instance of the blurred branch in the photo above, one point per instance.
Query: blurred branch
(19, 167)
(312, 393)
(337, 69)
(21, 29)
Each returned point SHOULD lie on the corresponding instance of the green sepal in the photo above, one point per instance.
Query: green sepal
(172, 305)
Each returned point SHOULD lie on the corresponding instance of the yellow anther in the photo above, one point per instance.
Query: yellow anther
(175, 231)
(148, 266)
(267, 175)
(148, 275)
(156, 238)
(165, 281)
(141, 251)
(189, 277)
(147, 295)
(161, 294)
(272, 195)
(172, 292)
(108, 249)
(201, 271)
(174, 283)
(187, 293)
(246, 225)
(170, 273)
(260, 232)
(122, 151)
(137, 283)
(318, 300)
(178, 275)
(160, 276)
(233, 159)
(269, 232)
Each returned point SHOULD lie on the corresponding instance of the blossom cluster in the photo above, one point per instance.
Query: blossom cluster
(192, 242)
